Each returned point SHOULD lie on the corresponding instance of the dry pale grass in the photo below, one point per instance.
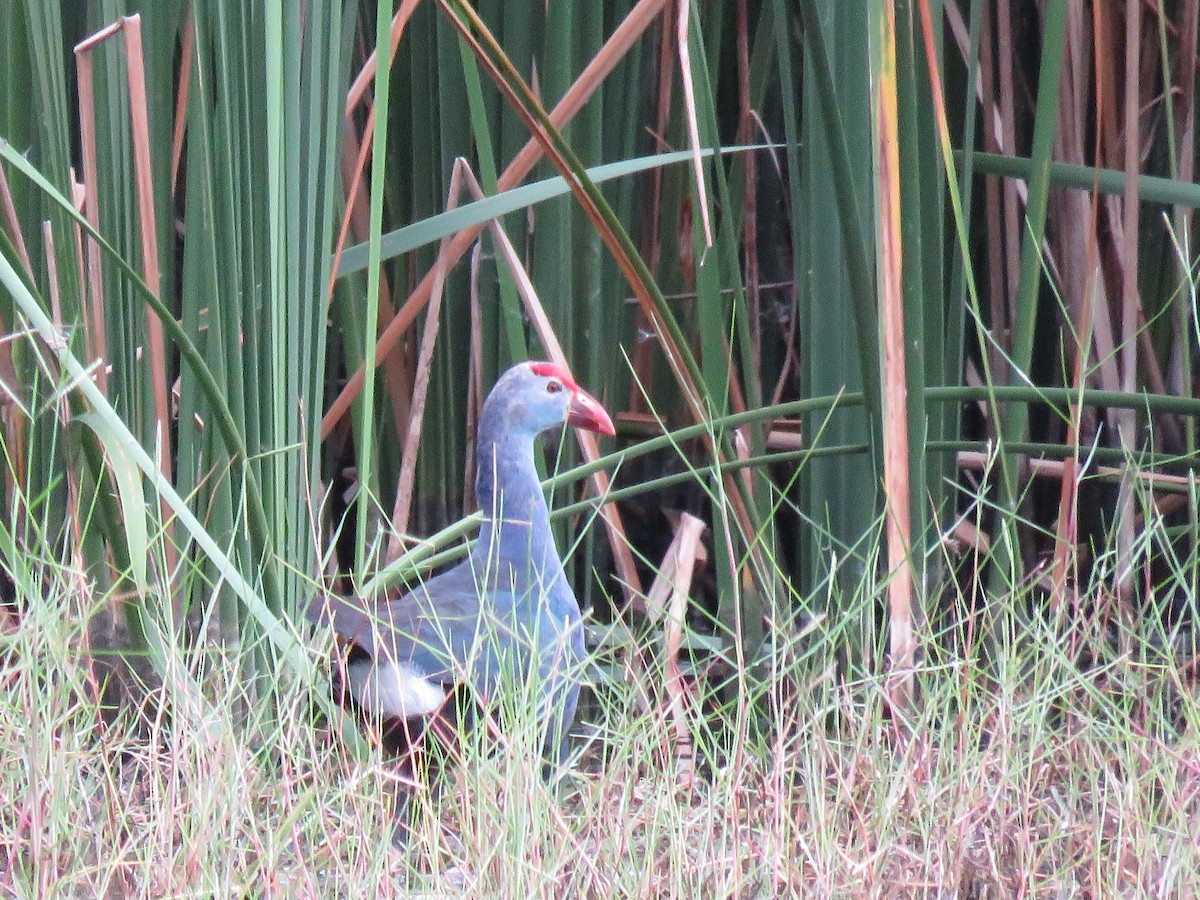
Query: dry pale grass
(1047, 782)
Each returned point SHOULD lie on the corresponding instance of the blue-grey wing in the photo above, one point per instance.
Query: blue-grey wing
(443, 632)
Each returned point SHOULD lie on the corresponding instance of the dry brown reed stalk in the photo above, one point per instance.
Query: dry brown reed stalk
(14, 420)
(667, 601)
(682, 24)
(1074, 206)
(97, 341)
(746, 116)
(367, 74)
(642, 357)
(354, 175)
(75, 565)
(475, 394)
(1056, 468)
(13, 224)
(398, 374)
(902, 637)
(685, 549)
(420, 391)
(130, 28)
(397, 367)
(1126, 420)
(187, 48)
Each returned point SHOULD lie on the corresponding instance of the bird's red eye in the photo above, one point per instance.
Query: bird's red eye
(553, 387)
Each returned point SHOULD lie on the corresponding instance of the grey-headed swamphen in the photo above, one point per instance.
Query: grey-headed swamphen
(506, 607)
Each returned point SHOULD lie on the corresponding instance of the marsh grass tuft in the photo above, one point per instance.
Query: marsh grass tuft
(1039, 774)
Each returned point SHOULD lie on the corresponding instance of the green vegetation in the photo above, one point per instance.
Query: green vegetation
(901, 306)
(1050, 780)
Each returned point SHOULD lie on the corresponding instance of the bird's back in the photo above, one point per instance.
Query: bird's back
(470, 623)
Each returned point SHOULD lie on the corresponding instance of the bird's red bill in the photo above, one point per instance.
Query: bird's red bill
(586, 412)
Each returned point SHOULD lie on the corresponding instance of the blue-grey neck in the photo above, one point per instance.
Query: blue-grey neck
(516, 521)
